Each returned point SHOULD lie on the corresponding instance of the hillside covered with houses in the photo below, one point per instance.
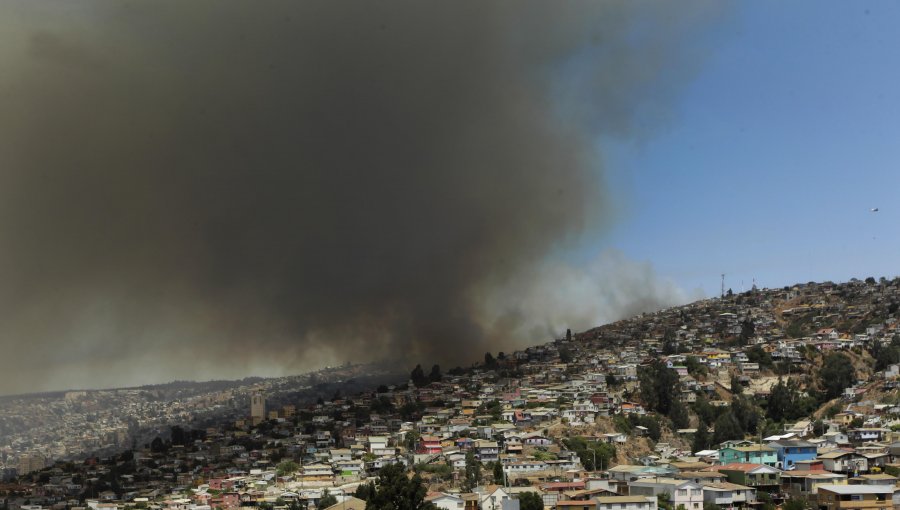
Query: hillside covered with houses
(769, 398)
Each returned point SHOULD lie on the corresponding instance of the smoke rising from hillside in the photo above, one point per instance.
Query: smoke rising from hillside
(198, 189)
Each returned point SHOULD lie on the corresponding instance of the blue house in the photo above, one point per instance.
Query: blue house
(791, 451)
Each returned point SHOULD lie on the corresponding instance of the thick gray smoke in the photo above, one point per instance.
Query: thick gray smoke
(194, 189)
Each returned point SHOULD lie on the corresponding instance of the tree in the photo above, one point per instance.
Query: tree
(365, 491)
(835, 375)
(489, 361)
(701, 438)
(158, 445)
(530, 501)
(382, 405)
(746, 413)
(664, 500)
(659, 387)
(694, 367)
(565, 355)
(705, 412)
(287, 467)
(178, 435)
(327, 500)
(727, 427)
(795, 504)
(679, 415)
(435, 375)
(670, 345)
(781, 399)
(748, 329)
(588, 452)
(885, 355)
(473, 472)
(498, 472)
(395, 490)
(757, 354)
(568, 335)
(819, 428)
(736, 387)
(418, 377)
(411, 440)
(611, 380)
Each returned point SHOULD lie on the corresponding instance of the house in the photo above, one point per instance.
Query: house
(835, 439)
(844, 461)
(494, 497)
(348, 503)
(752, 454)
(805, 484)
(317, 473)
(681, 492)
(574, 504)
(626, 503)
(628, 472)
(429, 445)
(512, 469)
(487, 451)
(749, 368)
(791, 451)
(809, 465)
(759, 476)
(349, 467)
(857, 497)
(445, 501)
(536, 439)
(457, 460)
(802, 428)
(340, 454)
(378, 445)
(728, 495)
(843, 419)
(862, 435)
(701, 477)
(874, 479)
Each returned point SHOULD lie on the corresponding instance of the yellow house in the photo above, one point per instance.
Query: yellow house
(843, 419)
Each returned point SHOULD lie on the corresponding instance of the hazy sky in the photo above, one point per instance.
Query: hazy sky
(223, 189)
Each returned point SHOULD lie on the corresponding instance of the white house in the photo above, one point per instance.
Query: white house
(681, 492)
(626, 503)
(445, 501)
(728, 495)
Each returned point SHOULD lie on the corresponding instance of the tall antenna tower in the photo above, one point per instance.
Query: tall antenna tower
(723, 286)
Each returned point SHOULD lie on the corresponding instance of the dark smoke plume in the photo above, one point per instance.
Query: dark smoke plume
(195, 188)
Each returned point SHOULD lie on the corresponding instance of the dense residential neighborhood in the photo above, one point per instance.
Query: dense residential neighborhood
(763, 399)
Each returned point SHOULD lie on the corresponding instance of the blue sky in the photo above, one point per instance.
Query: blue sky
(775, 154)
